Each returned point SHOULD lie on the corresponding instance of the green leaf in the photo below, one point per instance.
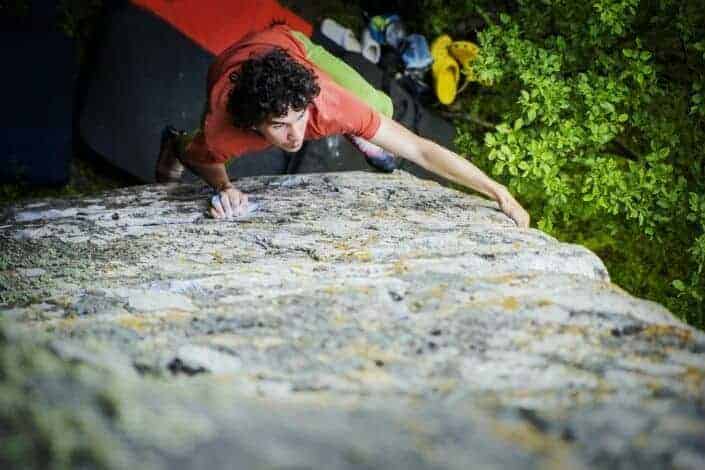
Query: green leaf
(609, 107)
(531, 114)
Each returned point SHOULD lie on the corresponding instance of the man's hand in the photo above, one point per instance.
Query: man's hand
(229, 202)
(511, 207)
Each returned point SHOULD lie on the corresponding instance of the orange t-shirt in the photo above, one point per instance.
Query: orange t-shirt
(334, 111)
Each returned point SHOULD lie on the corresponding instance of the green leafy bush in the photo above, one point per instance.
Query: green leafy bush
(598, 120)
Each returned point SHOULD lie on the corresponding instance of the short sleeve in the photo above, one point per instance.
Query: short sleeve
(341, 112)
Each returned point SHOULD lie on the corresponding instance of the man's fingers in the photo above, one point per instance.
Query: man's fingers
(514, 210)
(242, 207)
(227, 204)
(215, 213)
(217, 207)
(521, 217)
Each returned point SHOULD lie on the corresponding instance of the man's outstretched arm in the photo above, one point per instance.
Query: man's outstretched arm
(397, 139)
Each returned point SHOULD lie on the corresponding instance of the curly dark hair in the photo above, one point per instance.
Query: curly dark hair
(267, 86)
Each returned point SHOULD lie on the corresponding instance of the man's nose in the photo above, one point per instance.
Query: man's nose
(295, 133)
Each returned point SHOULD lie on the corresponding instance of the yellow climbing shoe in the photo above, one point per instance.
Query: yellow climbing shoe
(465, 52)
(445, 70)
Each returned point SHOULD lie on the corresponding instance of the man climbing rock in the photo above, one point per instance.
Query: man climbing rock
(276, 88)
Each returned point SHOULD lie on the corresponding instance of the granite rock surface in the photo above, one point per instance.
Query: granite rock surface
(351, 320)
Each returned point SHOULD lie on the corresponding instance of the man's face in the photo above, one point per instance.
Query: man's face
(286, 132)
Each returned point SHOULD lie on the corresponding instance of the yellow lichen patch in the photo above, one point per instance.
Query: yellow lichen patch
(683, 335)
(331, 289)
(400, 266)
(135, 323)
(445, 386)
(380, 213)
(373, 377)
(543, 303)
(371, 352)
(680, 425)
(577, 330)
(510, 303)
(503, 279)
(420, 435)
(438, 291)
(362, 256)
(446, 310)
(227, 340)
(68, 323)
(694, 380)
(176, 316)
(266, 342)
(373, 238)
(604, 389)
(556, 451)
(339, 319)
(370, 325)
(655, 386)
(297, 269)
(218, 257)
(342, 246)
(643, 440)
(324, 358)
(318, 398)
(63, 301)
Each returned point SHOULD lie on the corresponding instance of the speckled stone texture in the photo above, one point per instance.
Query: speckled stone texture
(352, 320)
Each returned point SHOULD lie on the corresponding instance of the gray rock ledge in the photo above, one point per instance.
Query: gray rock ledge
(352, 321)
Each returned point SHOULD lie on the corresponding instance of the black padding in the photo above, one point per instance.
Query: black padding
(332, 153)
(147, 75)
(37, 107)
(272, 161)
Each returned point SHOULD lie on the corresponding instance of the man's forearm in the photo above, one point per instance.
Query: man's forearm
(449, 165)
(214, 174)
